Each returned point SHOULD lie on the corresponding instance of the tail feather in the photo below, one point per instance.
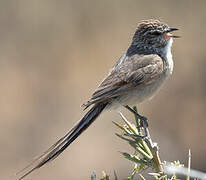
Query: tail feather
(65, 141)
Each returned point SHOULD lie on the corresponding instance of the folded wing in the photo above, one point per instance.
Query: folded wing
(132, 72)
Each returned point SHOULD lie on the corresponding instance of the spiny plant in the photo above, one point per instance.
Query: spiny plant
(146, 154)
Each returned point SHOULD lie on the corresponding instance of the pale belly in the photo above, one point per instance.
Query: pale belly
(138, 95)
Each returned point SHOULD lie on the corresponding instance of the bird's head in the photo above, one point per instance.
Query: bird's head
(153, 33)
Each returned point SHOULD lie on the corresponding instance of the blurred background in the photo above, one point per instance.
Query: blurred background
(53, 54)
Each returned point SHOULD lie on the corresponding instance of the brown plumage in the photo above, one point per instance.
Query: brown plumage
(137, 75)
(134, 71)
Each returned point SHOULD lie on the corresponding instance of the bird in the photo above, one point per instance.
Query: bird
(137, 76)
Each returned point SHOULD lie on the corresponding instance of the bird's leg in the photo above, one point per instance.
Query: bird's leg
(143, 119)
(146, 137)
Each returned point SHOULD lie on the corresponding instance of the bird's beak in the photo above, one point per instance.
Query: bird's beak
(172, 29)
(169, 34)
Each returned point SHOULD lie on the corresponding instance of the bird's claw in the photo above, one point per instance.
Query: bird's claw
(143, 119)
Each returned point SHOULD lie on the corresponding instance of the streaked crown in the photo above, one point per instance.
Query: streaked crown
(150, 33)
(151, 36)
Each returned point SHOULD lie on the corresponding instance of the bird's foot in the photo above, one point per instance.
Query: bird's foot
(143, 119)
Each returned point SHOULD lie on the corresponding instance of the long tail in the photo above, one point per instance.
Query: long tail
(65, 141)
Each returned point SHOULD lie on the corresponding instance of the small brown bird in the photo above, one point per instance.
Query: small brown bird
(136, 76)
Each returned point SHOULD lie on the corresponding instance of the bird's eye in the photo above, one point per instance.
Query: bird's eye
(156, 33)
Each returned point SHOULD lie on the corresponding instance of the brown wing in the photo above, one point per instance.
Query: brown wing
(130, 73)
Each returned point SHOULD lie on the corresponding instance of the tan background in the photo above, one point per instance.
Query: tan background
(53, 54)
